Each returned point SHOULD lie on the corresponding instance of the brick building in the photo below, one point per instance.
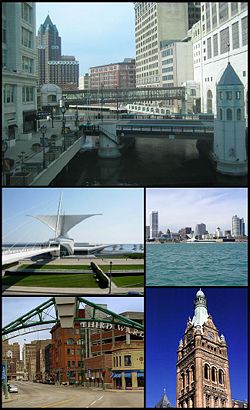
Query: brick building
(116, 75)
(11, 354)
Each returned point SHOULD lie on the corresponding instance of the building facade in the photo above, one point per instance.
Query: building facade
(238, 227)
(84, 82)
(202, 365)
(53, 67)
(19, 70)
(116, 75)
(154, 224)
(154, 23)
(29, 358)
(220, 34)
(200, 229)
(11, 356)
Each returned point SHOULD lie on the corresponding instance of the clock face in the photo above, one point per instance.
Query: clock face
(210, 335)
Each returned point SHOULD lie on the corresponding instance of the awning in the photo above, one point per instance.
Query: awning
(140, 374)
(128, 375)
(116, 375)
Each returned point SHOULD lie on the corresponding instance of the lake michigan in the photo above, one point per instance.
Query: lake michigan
(197, 264)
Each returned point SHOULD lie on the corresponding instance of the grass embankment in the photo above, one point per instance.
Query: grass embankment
(129, 281)
(57, 280)
(106, 268)
(52, 267)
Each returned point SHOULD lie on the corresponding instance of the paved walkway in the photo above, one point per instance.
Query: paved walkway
(87, 261)
(22, 290)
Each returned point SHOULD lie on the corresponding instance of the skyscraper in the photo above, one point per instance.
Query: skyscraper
(200, 230)
(154, 229)
(238, 226)
(202, 364)
(52, 66)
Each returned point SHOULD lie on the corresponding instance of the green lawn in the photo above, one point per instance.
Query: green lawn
(106, 268)
(129, 281)
(53, 267)
(51, 280)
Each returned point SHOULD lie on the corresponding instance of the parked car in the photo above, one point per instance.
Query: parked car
(13, 389)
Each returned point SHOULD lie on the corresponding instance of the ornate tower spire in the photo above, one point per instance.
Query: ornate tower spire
(202, 363)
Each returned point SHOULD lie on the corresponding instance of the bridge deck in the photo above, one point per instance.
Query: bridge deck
(18, 255)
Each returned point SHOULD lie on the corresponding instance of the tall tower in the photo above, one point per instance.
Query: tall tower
(230, 125)
(202, 365)
(154, 229)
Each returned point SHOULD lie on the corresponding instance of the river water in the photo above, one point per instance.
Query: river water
(150, 162)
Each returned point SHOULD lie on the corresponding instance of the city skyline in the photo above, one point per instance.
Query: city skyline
(25, 304)
(92, 47)
(172, 307)
(186, 207)
(121, 221)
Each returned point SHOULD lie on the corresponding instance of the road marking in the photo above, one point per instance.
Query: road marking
(100, 397)
(55, 404)
(93, 402)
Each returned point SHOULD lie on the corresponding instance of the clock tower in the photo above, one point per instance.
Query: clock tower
(202, 365)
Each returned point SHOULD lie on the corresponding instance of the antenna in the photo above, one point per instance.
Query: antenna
(58, 213)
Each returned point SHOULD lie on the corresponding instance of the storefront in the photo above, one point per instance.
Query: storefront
(29, 121)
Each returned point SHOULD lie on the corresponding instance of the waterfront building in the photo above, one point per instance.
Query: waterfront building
(154, 23)
(154, 225)
(128, 366)
(116, 75)
(84, 82)
(227, 233)
(184, 232)
(221, 33)
(147, 232)
(218, 233)
(238, 227)
(229, 146)
(200, 229)
(19, 70)
(202, 365)
(53, 67)
(164, 402)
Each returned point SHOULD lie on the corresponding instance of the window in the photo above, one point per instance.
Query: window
(229, 95)
(229, 114)
(26, 13)
(235, 35)
(238, 114)
(209, 47)
(26, 38)
(244, 31)
(27, 64)
(120, 361)
(68, 363)
(9, 93)
(127, 361)
(215, 43)
(234, 8)
(238, 95)
(114, 361)
(221, 114)
(224, 41)
(70, 341)
(206, 371)
(221, 377)
(68, 351)
(73, 363)
(223, 12)
(4, 28)
(214, 15)
(213, 374)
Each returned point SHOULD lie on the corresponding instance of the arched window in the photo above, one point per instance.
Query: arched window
(209, 101)
(238, 114)
(229, 114)
(221, 377)
(192, 374)
(221, 114)
(70, 341)
(206, 371)
(213, 374)
(182, 381)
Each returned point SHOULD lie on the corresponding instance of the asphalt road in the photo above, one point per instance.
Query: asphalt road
(49, 396)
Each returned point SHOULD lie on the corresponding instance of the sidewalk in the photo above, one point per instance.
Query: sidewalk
(67, 291)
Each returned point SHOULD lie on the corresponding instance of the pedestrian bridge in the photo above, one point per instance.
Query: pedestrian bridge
(16, 255)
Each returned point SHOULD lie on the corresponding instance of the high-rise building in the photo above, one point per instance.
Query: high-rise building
(220, 34)
(202, 365)
(238, 226)
(19, 70)
(116, 75)
(147, 232)
(155, 23)
(53, 67)
(194, 13)
(200, 229)
(29, 358)
(154, 227)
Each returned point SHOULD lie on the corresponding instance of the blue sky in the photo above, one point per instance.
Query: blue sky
(14, 307)
(167, 311)
(122, 208)
(95, 33)
(181, 207)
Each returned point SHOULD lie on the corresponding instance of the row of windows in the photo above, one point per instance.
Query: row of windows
(167, 70)
(229, 114)
(117, 361)
(222, 13)
(167, 77)
(73, 363)
(169, 61)
(167, 53)
(213, 374)
(229, 95)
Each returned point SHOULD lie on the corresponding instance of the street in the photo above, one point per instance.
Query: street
(45, 396)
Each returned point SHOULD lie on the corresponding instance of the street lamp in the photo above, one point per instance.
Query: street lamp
(43, 130)
(110, 276)
(63, 110)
